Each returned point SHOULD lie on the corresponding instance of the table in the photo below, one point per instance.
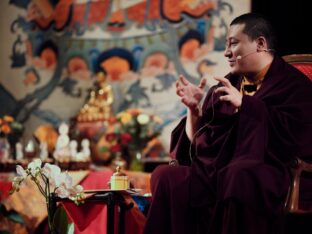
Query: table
(113, 200)
(31, 205)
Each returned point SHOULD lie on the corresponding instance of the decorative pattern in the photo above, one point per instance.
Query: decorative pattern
(141, 46)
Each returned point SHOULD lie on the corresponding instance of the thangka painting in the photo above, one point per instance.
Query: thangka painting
(51, 51)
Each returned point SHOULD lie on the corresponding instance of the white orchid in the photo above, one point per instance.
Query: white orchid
(17, 182)
(19, 179)
(62, 192)
(49, 179)
(52, 172)
(78, 188)
(65, 180)
(34, 167)
(21, 172)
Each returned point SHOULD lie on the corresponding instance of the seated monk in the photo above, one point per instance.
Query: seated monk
(234, 147)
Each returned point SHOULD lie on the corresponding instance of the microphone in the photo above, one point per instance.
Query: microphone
(240, 57)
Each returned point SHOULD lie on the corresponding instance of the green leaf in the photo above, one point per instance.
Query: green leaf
(15, 217)
(60, 220)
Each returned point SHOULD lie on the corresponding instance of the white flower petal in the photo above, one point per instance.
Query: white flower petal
(20, 171)
(50, 170)
(62, 192)
(78, 188)
(58, 180)
(34, 166)
(38, 162)
(68, 180)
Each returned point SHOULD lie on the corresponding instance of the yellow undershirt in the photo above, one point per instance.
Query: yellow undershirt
(258, 81)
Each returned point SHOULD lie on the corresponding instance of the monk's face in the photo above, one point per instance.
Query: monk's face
(240, 50)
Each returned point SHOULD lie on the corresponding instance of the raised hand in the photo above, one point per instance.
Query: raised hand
(190, 94)
(232, 95)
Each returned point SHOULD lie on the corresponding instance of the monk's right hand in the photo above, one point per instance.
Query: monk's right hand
(191, 95)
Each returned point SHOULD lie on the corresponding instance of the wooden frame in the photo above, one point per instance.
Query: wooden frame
(292, 201)
(298, 58)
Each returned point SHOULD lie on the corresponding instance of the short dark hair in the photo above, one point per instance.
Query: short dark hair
(256, 26)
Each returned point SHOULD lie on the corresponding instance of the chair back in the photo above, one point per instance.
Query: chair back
(302, 62)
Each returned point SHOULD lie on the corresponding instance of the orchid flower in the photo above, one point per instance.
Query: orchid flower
(51, 172)
(48, 179)
(34, 167)
(21, 172)
(19, 179)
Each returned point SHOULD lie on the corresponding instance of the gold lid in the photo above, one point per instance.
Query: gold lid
(118, 172)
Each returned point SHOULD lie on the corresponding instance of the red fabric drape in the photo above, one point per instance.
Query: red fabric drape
(91, 217)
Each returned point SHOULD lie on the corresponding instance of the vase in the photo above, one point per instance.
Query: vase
(4, 149)
(51, 208)
(136, 160)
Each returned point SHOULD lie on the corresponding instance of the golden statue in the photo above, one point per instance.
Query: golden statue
(99, 105)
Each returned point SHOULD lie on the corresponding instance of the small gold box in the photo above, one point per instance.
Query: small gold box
(119, 181)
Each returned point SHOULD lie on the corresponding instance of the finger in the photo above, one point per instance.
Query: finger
(178, 88)
(180, 93)
(223, 80)
(188, 103)
(225, 98)
(179, 85)
(183, 80)
(184, 101)
(222, 89)
(202, 83)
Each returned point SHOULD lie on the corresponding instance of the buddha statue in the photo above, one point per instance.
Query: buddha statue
(62, 150)
(99, 104)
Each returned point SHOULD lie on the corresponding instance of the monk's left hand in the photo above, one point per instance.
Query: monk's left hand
(232, 95)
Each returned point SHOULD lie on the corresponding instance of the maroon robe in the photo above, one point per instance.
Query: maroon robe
(239, 176)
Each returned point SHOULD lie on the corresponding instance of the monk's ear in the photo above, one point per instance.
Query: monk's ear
(261, 44)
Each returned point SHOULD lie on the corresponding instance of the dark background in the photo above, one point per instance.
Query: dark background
(292, 21)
